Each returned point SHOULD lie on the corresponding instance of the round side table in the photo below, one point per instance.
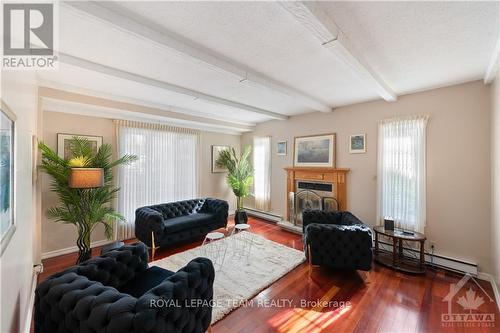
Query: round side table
(214, 249)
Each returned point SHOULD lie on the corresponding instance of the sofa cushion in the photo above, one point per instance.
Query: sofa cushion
(145, 281)
(187, 222)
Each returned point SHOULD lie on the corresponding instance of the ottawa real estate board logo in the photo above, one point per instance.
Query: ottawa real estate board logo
(465, 305)
(29, 36)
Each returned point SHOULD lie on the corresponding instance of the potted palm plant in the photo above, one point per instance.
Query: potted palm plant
(239, 177)
(83, 206)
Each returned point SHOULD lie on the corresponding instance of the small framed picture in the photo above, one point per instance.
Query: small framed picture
(216, 150)
(281, 148)
(357, 144)
(64, 140)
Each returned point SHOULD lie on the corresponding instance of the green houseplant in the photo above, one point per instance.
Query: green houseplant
(83, 207)
(239, 177)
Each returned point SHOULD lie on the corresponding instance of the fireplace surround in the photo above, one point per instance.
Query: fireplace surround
(313, 188)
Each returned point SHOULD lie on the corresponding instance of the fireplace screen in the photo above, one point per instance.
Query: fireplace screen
(305, 200)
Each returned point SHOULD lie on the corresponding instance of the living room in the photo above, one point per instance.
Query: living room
(250, 166)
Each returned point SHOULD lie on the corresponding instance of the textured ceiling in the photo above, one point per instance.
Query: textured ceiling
(412, 46)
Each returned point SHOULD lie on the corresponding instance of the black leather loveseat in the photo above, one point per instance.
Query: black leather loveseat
(180, 221)
(117, 292)
(337, 239)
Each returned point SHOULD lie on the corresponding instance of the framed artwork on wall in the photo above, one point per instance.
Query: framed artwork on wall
(315, 151)
(281, 148)
(63, 141)
(7, 174)
(216, 150)
(357, 144)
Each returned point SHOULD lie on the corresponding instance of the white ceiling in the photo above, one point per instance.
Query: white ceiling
(412, 46)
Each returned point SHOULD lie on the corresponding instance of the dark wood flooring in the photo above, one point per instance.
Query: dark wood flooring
(309, 299)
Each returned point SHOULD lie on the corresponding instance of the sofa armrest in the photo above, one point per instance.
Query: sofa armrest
(72, 303)
(217, 207)
(114, 268)
(148, 220)
(189, 290)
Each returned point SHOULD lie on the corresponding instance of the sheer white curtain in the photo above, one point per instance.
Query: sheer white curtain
(401, 171)
(262, 172)
(167, 168)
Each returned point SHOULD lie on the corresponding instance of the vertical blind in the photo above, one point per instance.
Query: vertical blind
(262, 172)
(166, 169)
(402, 171)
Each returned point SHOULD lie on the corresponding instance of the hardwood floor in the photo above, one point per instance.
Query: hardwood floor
(310, 299)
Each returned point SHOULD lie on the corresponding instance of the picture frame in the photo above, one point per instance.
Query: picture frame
(216, 150)
(63, 140)
(357, 144)
(281, 148)
(8, 155)
(315, 151)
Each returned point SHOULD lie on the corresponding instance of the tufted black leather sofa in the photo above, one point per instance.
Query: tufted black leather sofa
(176, 222)
(337, 239)
(117, 292)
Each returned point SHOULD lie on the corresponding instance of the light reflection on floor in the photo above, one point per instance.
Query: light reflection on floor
(305, 321)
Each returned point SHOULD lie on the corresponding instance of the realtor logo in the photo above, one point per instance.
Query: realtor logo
(464, 305)
(29, 36)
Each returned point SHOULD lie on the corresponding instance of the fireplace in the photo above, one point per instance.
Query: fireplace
(313, 188)
(308, 195)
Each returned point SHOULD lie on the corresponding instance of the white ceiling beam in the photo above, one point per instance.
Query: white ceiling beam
(492, 69)
(92, 66)
(127, 109)
(319, 23)
(118, 17)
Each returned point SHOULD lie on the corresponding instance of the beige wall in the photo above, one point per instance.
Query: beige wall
(58, 236)
(458, 162)
(495, 178)
(18, 90)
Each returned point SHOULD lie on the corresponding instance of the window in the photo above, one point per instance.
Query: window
(262, 172)
(166, 169)
(401, 171)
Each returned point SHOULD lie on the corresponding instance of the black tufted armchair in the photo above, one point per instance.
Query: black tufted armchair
(117, 292)
(337, 239)
(176, 222)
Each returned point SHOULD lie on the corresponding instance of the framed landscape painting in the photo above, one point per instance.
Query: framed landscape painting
(63, 141)
(216, 150)
(315, 151)
(7, 176)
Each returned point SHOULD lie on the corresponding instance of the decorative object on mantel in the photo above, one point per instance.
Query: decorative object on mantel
(239, 177)
(216, 150)
(64, 144)
(281, 148)
(84, 186)
(315, 151)
(357, 144)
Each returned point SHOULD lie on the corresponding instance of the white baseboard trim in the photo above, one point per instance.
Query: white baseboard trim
(31, 303)
(72, 249)
(264, 215)
(494, 286)
(437, 260)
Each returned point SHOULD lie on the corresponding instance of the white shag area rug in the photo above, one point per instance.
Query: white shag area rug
(239, 279)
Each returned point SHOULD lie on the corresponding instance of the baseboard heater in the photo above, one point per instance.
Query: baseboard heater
(436, 260)
(264, 215)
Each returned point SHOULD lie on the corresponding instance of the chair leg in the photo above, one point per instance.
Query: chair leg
(309, 259)
(209, 329)
(153, 246)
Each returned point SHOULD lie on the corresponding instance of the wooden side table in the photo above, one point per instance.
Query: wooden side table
(397, 259)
